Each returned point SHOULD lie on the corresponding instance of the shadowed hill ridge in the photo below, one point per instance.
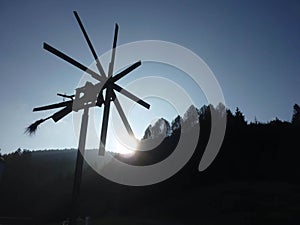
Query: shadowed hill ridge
(258, 162)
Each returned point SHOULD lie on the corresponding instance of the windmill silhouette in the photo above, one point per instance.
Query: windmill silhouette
(90, 95)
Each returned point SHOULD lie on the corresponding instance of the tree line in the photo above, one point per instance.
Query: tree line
(38, 184)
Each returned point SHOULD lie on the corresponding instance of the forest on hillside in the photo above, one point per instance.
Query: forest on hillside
(255, 178)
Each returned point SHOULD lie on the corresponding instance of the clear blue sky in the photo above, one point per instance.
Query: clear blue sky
(252, 47)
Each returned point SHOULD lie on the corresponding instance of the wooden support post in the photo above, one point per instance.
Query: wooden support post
(79, 165)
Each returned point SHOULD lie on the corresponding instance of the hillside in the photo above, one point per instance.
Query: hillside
(253, 180)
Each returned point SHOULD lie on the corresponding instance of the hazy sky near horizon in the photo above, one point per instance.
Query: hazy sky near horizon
(252, 47)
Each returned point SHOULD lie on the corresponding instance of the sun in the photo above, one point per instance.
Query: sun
(126, 149)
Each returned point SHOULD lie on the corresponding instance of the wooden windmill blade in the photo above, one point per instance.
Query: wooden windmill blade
(72, 61)
(126, 71)
(131, 96)
(98, 64)
(108, 96)
(52, 106)
(104, 127)
(113, 54)
(62, 113)
(123, 116)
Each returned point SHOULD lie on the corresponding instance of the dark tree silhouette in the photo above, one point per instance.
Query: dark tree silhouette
(1, 165)
(239, 117)
(176, 123)
(296, 115)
